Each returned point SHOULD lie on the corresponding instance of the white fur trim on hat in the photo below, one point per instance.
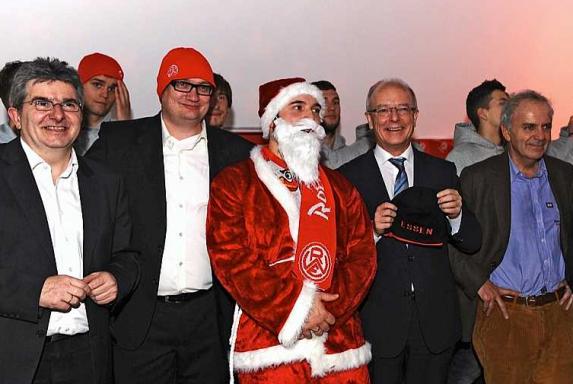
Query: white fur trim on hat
(284, 96)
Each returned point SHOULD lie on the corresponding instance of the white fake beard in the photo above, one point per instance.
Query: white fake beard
(299, 149)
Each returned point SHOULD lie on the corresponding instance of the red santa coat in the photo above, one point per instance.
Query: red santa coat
(252, 228)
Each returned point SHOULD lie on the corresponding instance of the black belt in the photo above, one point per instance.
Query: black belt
(60, 337)
(182, 297)
(535, 301)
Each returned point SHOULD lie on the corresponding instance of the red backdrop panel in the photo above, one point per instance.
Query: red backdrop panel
(436, 147)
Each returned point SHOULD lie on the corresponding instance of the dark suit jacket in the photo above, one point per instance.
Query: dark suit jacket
(27, 259)
(386, 311)
(135, 149)
(485, 187)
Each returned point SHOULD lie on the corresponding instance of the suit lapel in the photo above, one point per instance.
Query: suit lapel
(559, 187)
(146, 155)
(421, 173)
(375, 192)
(90, 192)
(18, 176)
(499, 182)
(148, 150)
(217, 152)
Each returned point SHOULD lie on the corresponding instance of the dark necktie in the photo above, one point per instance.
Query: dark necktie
(401, 178)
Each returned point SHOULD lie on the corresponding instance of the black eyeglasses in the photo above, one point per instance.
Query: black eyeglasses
(186, 87)
(45, 105)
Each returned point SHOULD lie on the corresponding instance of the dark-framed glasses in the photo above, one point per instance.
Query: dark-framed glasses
(46, 105)
(385, 111)
(186, 87)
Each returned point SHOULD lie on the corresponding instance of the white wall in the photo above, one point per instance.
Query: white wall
(441, 47)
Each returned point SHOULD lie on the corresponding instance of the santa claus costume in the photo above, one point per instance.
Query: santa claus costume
(273, 259)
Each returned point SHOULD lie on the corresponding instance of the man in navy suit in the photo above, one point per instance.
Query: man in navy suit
(411, 314)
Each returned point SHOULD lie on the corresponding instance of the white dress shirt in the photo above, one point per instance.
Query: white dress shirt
(64, 213)
(185, 266)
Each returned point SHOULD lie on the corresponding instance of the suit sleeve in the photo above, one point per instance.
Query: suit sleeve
(468, 271)
(278, 304)
(356, 263)
(123, 265)
(20, 294)
(468, 237)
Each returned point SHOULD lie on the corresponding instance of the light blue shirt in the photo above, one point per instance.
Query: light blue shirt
(533, 263)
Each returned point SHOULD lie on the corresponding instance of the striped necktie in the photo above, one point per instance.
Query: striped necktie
(401, 178)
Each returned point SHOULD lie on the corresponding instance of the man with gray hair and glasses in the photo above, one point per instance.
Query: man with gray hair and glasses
(523, 270)
(65, 264)
(411, 313)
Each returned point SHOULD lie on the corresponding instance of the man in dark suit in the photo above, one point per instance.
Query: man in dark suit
(64, 257)
(522, 273)
(411, 312)
(175, 326)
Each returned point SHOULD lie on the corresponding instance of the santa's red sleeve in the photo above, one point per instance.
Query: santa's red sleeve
(278, 304)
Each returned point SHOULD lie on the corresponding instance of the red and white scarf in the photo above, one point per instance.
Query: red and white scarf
(316, 246)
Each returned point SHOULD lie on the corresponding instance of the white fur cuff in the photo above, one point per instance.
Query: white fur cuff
(293, 325)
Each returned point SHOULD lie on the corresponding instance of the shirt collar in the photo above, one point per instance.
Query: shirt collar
(186, 144)
(35, 160)
(383, 156)
(515, 173)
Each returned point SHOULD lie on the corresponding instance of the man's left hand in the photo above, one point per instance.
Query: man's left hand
(567, 298)
(122, 103)
(103, 287)
(450, 202)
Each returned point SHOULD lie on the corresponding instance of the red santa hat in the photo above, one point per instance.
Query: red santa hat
(99, 64)
(275, 95)
(183, 63)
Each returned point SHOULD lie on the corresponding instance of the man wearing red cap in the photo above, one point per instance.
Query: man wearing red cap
(292, 242)
(173, 327)
(102, 78)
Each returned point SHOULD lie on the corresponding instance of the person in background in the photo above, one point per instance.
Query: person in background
(104, 89)
(335, 151)
(221, 103)
(7, 129)
(474, 142)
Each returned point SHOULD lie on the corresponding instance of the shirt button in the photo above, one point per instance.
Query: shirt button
(180, 263)
(180, 234)
(70, 269)
(180, 205)
(180, 177)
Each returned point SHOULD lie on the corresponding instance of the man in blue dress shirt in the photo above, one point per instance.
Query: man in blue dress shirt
(522, 273)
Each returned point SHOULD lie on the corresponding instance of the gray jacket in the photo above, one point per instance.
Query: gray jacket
(340, 153)
(470, 147)
(562, 148)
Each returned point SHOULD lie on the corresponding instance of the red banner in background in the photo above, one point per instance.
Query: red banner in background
(435, 147)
